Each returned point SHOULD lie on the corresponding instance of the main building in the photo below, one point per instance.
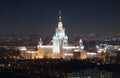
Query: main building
(58, 49)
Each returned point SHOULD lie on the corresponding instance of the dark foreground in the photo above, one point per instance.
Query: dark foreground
(57, 68)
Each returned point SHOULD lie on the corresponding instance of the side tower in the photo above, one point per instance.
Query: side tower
(40, 49)
(59, 39)
(81, 46)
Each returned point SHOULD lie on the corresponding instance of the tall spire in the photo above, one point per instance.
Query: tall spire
(60, 18)
(60, 25)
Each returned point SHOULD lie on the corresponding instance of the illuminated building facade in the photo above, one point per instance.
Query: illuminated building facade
(60, 47)
(59, 39)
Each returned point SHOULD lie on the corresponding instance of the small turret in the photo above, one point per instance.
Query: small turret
(40, 42)
(81, 45)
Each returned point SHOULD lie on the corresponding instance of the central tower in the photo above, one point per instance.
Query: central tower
(59, 39)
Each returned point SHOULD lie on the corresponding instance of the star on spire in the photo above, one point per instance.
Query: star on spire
(60, 16)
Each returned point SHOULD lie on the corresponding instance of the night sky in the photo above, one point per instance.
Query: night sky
(41, 16)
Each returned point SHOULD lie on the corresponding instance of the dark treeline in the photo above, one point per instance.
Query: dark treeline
(51, 67)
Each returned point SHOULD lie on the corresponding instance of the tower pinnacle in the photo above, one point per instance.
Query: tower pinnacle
(60, 18)
(60, 25)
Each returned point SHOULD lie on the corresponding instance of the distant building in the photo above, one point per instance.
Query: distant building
(59, 49)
